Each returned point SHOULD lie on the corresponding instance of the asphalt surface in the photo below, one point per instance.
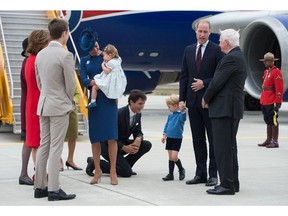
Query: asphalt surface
(263, 174)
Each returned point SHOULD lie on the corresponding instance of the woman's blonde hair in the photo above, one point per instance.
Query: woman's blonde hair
(111, 50)
(172, 99)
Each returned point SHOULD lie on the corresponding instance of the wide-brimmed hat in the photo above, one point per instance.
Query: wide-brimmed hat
(24, 46)
(269, 57)
(88, 38)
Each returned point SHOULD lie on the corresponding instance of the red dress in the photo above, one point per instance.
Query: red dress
(33, 94)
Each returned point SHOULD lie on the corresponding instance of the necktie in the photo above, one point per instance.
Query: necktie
(198, 58)
(132, 121)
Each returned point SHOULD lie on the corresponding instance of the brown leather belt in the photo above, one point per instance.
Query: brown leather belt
(268, 88)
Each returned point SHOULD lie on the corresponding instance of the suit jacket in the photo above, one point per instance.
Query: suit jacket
(225, 94)
(55, 80)
(210, 59)
(124, 128)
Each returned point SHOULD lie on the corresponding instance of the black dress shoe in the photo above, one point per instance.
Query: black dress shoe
(212, 181)
(134, 173)
(196, 180)
(25, 181)
(181, 174)
(219, 190)
(61, 195)
(40, 193)
(168, 178)
(90, 166)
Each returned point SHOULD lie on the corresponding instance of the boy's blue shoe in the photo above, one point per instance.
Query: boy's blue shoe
(91, 105)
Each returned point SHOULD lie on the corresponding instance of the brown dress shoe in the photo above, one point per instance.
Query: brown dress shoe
(273, 144)
(265, 143)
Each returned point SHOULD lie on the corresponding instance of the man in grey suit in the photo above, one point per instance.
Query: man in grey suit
(225, 98)
(55, 77)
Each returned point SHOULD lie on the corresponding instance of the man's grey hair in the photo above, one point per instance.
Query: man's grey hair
(231, 35)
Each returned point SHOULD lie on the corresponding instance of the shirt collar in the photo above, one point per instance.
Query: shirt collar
(203, 45)
(131, 113)
(55, 42)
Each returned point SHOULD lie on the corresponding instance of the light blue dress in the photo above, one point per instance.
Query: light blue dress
(114, 83)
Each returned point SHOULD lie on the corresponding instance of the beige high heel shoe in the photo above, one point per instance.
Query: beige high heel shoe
(96, 179)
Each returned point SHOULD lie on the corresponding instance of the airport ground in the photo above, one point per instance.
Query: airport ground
(263, 172)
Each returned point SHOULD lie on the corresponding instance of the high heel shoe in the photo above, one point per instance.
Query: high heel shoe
(73, 167)
(113, 179)
(96, 179)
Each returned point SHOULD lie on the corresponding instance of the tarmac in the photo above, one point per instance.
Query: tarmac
(263, 173)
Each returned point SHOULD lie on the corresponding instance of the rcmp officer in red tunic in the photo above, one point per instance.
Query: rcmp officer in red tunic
(271, 99)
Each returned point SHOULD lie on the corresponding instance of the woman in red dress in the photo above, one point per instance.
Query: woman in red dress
(37, 40)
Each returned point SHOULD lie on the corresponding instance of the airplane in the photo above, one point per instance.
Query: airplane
(151, 43)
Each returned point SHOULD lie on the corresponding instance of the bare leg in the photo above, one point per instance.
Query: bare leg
(94, 92)
(112, 150)
(96, 151)
(93, 97)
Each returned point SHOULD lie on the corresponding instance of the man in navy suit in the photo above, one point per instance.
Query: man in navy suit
(199, 63)
(225, 98)
(129, 150)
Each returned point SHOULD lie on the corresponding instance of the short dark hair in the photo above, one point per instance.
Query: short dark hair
(135, 94)
(56, 27)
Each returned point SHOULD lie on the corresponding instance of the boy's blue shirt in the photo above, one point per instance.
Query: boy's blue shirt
(174, 126)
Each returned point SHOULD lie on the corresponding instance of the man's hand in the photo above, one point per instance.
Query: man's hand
(204, 104)
(130, 149)
(182, 106)
(197, 85)
(277, 106)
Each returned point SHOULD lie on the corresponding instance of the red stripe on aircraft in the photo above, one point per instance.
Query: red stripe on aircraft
(87, 14)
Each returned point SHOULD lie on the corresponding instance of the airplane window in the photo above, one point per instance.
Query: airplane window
(154, 54)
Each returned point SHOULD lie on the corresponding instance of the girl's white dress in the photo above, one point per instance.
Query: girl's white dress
(113, 84)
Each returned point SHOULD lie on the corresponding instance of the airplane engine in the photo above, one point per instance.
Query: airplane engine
(268, 34)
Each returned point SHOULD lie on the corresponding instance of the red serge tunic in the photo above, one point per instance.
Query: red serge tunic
(272, 88)
(33, 94)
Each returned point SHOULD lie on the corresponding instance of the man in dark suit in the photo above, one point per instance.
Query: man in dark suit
(198, 67)
(225, 98)
(129, 150)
